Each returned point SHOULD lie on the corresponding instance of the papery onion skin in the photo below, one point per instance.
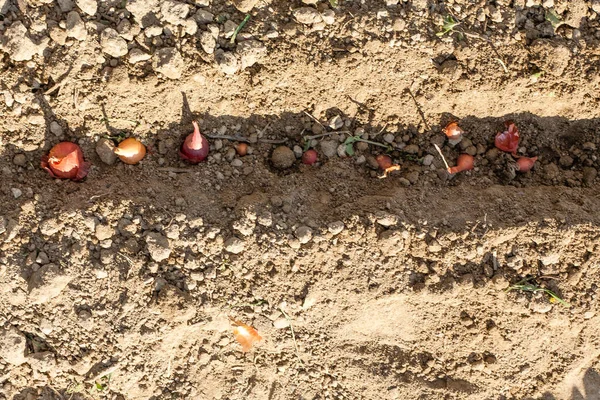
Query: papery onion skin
(195, 146)
(384, 161)
(524, 164)
(245, 335)
(453, 131)
(465, 162)
(65, 161)
(309, 157)
(509, 139)
(130, 151)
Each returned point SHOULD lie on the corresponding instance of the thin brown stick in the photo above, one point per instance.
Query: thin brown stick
(421, 113)
(293, 335)
(316, 120)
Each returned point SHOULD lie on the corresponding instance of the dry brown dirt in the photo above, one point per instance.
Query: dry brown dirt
(122, 286)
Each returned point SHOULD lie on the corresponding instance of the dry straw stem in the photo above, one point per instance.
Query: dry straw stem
(293, 335)
(441, 155)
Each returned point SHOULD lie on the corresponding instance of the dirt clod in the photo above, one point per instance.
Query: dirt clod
(283, 157)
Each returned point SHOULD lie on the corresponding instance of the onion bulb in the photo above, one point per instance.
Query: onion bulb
(245, 335)
(464, 163)
(65, 161)
(509, 139)
(242, 149)
(309, 157)
(453, 132)
(195, 146)
(384, 161)
(525, 164)
(386, 164)
(130, 151)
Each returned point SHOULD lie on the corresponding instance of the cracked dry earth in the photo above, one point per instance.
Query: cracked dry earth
(122, 286)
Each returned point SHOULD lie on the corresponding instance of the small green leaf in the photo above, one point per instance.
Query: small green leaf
(350, 149)
(334, 3)
(306, 145)
(553, 18)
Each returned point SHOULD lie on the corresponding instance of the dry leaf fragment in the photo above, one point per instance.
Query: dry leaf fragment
(245, 335)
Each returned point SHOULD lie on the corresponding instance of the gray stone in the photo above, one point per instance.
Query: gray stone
(168, 62)
(12, 346)
(336, 122)
(428, 160)
(303, 234)
(18, 44)
(105, 150)
(208, 42)
(57, 34)
(386, 219)
(136, 55)
(245, 5)
(389, 138)
(65, 5)
(540, 307)
(20, 159)
(142, 10)
(47, 283)
(336, 227)
(226, 61)
(204, 17)
(112, 43)
(281, 323)
(104, 232)
(36, 119)
(329, 148)
(50, 226)
(56, 129)
(328, 17)
(75, 26)
(87, 6)
(174, 12)
(234, 245)
(158, 246)
(251, 52)
(307, 15)
(4, 6)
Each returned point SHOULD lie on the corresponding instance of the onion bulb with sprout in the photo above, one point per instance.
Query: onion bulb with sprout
(241, 149)
(130, 151)
(309, 157)
(384, 161)
(195, 146)
(65, 161)
(453, 132)
(525, 164)
(465, 162)
(509, 139)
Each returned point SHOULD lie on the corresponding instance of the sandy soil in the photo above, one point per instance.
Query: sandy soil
(123, 286)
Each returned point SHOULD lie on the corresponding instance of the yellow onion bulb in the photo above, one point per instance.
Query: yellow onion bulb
(130, 151)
